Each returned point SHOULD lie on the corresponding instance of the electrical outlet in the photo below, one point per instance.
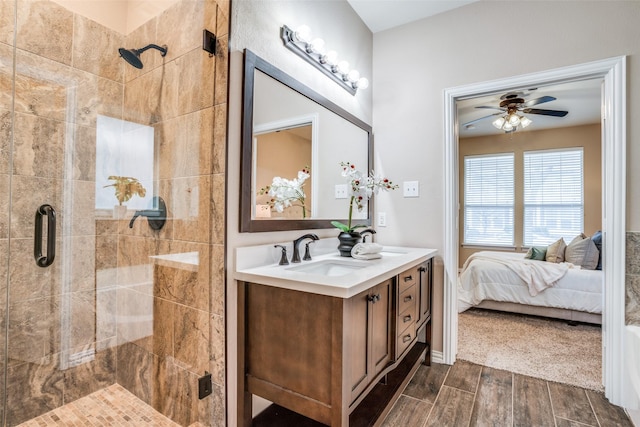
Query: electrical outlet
(341, 191)
(205, 385)
(411, 189)
(382, 219)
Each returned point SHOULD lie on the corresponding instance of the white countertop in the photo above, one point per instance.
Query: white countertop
(259, 264)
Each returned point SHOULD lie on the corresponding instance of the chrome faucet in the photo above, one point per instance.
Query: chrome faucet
(296, 243)
(370, 231)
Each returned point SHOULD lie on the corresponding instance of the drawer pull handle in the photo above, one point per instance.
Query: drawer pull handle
(406, 338)
(407, 318)
(408, 278)
(408, 298)
(373, 298)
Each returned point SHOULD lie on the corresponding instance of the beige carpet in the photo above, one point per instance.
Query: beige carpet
(539, 347)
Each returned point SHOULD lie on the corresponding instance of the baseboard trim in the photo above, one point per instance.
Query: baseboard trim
(437, 357)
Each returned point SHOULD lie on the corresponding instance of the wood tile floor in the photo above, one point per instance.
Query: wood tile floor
(467, 394)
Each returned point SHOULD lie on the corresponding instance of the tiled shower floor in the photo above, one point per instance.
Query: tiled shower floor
(112, 406)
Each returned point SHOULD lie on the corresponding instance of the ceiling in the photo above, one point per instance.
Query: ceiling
(380, 15)
(581, 99)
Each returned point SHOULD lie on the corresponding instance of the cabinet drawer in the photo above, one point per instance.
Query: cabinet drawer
(405, 338)
(405, 319)
(407, 299)
(407, 279)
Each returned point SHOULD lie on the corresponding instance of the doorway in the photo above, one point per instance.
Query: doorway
(613, 73)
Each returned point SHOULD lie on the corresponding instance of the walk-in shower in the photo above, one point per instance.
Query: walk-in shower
(93, 305)
(132, 56)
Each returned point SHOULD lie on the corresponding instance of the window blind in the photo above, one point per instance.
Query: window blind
(489, 199)
(553, 195)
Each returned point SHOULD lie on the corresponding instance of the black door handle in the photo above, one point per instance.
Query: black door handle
(50, 213)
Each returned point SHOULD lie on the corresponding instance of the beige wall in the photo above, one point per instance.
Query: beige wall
(415, 63)
(587, 136)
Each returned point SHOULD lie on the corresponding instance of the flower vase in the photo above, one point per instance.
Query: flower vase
(347, 242)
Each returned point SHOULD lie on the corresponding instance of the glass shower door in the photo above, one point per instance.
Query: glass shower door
(57, 338)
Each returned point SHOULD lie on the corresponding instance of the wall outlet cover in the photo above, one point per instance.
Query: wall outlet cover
(382, 219)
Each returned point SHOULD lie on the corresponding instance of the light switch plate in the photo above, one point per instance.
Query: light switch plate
(341, 191)
(411, 189)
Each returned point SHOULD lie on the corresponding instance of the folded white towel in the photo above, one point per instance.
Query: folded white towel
(366, 251)
(365, 256)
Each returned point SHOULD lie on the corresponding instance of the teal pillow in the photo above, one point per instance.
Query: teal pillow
(538, 253)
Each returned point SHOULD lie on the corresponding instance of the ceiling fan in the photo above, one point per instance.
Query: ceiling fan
(511, 108)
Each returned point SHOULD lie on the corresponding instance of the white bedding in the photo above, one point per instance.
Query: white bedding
(487, 277)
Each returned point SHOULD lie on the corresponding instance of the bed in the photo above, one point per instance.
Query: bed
(495, 280)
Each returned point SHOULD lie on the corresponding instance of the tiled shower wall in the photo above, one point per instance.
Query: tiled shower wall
(633, 278)
(183, 96)
(156, 327)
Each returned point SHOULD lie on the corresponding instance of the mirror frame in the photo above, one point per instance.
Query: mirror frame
(247, 224)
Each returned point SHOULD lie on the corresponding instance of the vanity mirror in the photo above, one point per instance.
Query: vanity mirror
(291, 132)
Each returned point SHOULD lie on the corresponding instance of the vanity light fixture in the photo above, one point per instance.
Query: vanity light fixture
(313, 51)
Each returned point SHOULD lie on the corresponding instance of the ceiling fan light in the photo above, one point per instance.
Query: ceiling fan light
(514, 120)
(498, 123)
(508, 127)
(525, 121)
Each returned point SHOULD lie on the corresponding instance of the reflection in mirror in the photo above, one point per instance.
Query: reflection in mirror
(288, 128)
(124, 165)
(277, 179)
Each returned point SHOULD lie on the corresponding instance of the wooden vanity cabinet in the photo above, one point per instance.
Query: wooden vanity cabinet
(324, 357)
(368, 335)
(425, 271)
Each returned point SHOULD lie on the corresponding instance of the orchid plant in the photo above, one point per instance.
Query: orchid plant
(361, 188)
(285, 193)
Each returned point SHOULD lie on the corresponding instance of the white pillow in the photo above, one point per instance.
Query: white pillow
(582, 251)
(555, 251)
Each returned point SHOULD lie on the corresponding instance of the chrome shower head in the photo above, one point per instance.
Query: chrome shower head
(132, 56)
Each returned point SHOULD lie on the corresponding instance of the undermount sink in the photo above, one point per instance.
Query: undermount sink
(328, 268)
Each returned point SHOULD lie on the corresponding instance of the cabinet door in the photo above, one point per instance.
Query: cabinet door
(426, 279)
(381, 326)
(357, 328)
(368, 326)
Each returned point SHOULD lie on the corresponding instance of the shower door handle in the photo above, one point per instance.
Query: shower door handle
(50, 213)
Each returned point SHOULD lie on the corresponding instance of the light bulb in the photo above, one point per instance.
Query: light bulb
(507, 127)
(353, 76)
(525, 121)
(363, 83)
(331, 58)
(514, 120)
(343, 67)
(316, 45)
(498, 122)
(303, 34)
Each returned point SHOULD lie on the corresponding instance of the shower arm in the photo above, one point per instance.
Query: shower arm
(162, 49)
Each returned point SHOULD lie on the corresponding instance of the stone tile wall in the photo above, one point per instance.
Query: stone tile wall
(633, 278)
(161, 326)
(183, 96)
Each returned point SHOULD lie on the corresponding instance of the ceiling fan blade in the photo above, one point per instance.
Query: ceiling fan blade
(491, 108)
(480, 119)
(554, 113)
(537, 101)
